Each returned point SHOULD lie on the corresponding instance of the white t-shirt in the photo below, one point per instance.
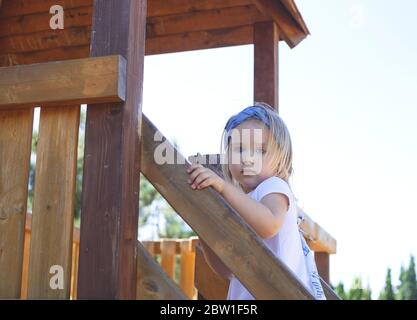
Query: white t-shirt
(286, 244)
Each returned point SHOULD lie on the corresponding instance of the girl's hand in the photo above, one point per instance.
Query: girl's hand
(201, 177)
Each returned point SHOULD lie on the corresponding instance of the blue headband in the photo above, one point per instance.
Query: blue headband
(253, 112)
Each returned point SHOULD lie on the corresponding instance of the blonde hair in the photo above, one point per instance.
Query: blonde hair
(278, 148)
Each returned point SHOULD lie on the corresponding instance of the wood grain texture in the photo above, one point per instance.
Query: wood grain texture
(219, 225)
(210, 286)
(152, 282)
(90, 80)
(200, 40)
(110, 197)
(203, 21)
(54, 201)
(15, 148)
(266, 80)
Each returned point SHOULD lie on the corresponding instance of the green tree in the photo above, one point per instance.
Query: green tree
(411, 280)
(388, 292)
(407, 290)
(357, 292)
(340, 291)
(402, 287)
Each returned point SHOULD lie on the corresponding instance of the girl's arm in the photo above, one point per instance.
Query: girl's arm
(214, 262)
(265, 217)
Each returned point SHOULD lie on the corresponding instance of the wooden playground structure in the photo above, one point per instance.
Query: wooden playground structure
(97, 59)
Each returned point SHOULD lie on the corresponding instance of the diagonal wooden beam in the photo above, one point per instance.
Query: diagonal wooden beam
(152, 282)
(217, 223)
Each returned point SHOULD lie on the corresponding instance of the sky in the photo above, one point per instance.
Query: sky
(348, 94)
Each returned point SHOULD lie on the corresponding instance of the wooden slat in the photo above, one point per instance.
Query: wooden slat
(110, 198)
(219, 225)
(200, 40)
(266, 40)
(187, 261)
(13, 8)
(45, 40)
(152, 282)
(90, 80)
(57, 54)
(30, 24)
(171, 7)
(210, 286)
(54, 201)
(289, 29)
(203, 21)
(15, 147)
(168, 256)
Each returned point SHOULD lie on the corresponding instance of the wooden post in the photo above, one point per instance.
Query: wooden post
(323, 265)
(265, 37)
(110, 201)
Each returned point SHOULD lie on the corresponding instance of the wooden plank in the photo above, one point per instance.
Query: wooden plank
(45, 40)
(236, 244)
(13, 8)
(168, 257)
(289, 29)
(203, 21)
(200, 40)
(187, 262)
(323, 265)
(172, 7)
(318, 239)
(15, 147)
(54, 201)
(110, 201)
(266, 80)
(90, 80)
(30, 24)
(57, 54)
(152, 282)
(210, 286)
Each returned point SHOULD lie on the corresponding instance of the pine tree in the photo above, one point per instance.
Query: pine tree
(388, 292)
(402, 287)
(340, 291)
(357, 292)
(411, 280)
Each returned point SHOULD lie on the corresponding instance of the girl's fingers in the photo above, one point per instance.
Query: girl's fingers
(193, 167)
(205, 183)
(195, 174)
(201, 178)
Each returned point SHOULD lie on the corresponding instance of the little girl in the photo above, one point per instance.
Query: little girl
(256, 146)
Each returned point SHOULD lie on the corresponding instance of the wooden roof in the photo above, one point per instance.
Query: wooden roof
(172, 26)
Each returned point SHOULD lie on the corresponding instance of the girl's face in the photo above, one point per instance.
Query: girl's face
(247, 156)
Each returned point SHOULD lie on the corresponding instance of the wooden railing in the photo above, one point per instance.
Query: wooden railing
(165, 251)
(168, 250)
